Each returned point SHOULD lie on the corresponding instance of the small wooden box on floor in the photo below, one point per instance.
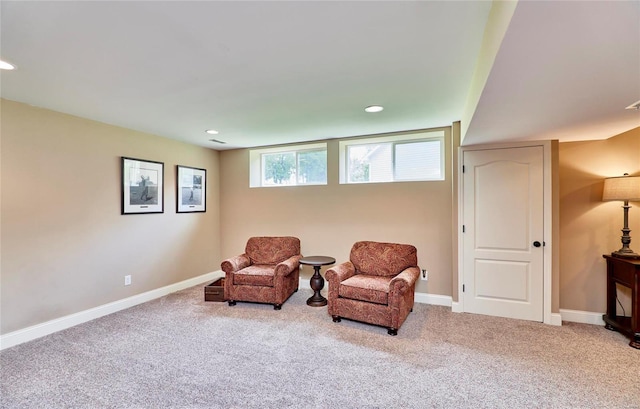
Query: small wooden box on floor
(214, 291)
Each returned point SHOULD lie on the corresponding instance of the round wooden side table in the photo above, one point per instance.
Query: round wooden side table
(317, 282)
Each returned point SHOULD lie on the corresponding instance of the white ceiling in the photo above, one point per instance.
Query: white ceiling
(265, 73)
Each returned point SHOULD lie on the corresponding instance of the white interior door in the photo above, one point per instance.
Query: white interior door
(503, 218)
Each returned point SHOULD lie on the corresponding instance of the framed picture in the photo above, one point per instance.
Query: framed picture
(142, 186)
(192, 190)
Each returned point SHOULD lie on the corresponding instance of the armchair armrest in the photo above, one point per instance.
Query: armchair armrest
(289, 265)
(405, 280)
(236, 263)
(340, 272)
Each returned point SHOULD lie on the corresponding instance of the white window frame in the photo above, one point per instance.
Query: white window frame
(256, 167)
(394, 140)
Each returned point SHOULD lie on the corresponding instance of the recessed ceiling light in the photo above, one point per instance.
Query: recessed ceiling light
(211, 131)
(6, 66)
(373, 108)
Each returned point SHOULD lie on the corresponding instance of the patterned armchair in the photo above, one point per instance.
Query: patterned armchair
(376, 286)
(267, 272)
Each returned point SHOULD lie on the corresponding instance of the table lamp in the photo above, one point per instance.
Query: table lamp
(624, 188)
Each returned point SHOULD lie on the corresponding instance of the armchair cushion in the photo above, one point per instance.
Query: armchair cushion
(382, 259)
(256, 274)
(271, 250)
(365, 287)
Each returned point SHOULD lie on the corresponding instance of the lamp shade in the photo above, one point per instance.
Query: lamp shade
(622, 188)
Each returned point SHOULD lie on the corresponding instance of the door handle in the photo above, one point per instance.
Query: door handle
(537, 244)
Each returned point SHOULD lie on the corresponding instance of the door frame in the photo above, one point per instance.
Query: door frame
(548, 224)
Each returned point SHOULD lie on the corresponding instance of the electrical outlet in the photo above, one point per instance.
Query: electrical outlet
(127, 280)
(425, 275)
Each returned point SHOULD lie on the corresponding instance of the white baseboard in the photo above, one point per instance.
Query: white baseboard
(433, 299)
(556, 319)
(306, 284)
(582, 317)
(456, 306)
(58, 324)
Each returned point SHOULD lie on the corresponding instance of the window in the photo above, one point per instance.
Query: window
(393, 158)
(289, 166)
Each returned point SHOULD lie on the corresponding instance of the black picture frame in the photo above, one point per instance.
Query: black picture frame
(142, 186)
(191, 189)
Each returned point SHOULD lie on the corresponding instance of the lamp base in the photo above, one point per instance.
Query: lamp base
(626, 254)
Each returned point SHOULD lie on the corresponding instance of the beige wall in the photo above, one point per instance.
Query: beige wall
(65, 246)
(589, 227)
(329, 219)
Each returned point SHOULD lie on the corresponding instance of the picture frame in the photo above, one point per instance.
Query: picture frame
(191, 185)
(142, 186)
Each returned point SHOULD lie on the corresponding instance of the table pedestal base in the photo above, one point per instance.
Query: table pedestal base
(317, 284)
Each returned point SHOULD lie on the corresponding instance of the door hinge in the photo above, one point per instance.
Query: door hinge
(463, 169)
(462, 287)
(463, 228)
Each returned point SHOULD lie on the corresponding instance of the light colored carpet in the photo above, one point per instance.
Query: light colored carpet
(181, 352)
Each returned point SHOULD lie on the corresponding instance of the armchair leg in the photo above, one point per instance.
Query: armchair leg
(392, 331)
(277, 306)
(231, 303)
(336, 318)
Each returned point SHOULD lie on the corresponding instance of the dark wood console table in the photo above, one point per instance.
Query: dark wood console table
(625, 272)
(317, 282)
